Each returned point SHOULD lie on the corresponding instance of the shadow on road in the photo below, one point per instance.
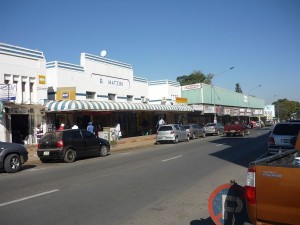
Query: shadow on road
(242, 150)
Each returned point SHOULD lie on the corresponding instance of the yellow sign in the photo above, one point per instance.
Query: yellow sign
(181, 100)
(66, 93)
(42, 79)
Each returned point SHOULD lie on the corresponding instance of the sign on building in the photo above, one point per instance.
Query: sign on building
(8, 92)
(66, 93)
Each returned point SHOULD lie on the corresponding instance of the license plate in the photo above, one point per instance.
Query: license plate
(46, 153)
(286, 141)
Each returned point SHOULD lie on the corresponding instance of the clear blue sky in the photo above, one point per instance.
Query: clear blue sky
(164, 39)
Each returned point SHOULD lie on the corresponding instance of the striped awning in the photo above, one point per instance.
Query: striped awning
(71, 105)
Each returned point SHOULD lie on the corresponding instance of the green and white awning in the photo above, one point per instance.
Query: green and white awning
(71, 105)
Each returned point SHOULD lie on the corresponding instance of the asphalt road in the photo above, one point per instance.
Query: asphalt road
(161, 184)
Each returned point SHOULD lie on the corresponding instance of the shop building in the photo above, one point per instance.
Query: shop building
(23, 92)
(105, 91)
(215, 104)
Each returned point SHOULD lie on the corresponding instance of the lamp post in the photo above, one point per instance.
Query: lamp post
(278, 118)
(212, 87)
(249, 99)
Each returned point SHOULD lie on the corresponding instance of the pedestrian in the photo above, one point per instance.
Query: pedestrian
(161, 122)
(118, 132)
(62, 126)
(90, 127)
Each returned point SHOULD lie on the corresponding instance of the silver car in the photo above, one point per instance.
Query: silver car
(171, 133)
(214, 128)
(283, 137)
(195, 130)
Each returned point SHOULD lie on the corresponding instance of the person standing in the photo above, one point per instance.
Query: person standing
(90, 127)
(161, 122)
(118, 132)
(62, 126)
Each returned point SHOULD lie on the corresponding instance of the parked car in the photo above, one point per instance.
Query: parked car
(12, 156)
(195, 130)
(283, 137)
(214, 128)
(70, 144)
(171, 133)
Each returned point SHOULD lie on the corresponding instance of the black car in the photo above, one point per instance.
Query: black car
(71, 144)
(12, 156)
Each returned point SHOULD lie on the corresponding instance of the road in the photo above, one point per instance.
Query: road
(161, 184)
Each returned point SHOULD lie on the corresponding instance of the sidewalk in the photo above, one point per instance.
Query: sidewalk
(123, 144)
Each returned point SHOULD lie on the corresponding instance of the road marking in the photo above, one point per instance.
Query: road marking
(29, 197)
(172, 158)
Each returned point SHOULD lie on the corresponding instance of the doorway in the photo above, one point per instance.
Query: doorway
(19, 128)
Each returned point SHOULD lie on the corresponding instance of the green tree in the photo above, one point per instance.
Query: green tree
(284, 109)
(238, 88)
(195, 77)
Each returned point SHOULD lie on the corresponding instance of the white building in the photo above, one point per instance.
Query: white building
(23, 91)
(100, 90)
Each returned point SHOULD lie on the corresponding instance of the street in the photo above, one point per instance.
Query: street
(160, 184)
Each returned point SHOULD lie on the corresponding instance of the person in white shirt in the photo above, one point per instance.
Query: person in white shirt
(118, 132)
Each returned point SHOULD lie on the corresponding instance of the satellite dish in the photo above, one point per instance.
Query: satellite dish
(103, 53)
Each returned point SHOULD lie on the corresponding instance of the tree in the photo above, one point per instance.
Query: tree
(195, 77)
(238, 88)
(284, 109)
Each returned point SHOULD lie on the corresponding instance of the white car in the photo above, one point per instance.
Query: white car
(171, 133)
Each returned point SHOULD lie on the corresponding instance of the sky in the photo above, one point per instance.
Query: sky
(165, 39)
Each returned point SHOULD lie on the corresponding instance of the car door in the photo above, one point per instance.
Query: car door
(77, 141)
(91, 141)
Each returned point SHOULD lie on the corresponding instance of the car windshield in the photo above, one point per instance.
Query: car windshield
(286, 129)
(51, 136)
(165, 128)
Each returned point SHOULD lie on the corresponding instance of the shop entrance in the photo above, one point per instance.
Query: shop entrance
(19, 128)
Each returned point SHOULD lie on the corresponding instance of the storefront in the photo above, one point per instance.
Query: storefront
(135, 118)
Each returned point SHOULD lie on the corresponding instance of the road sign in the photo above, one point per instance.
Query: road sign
(227, 205)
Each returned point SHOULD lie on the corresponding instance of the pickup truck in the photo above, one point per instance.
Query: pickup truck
(236, 128)
(272, 189)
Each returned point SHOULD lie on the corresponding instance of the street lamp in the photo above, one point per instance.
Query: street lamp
(212, 87)
(249, 94)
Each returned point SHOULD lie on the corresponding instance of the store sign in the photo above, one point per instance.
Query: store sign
(181, 100)
(191, 87)
(114, 82)
(66, 93)
(42, 79)
(197, 107)
(8, 92)
(209, 109)
(19, 111)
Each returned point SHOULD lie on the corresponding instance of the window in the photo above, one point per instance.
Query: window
(23, 86)
(112, 97)
(90, 95)
(129, 98)
(31, 87)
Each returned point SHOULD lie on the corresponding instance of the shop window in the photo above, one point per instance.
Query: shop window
(90, 95)
(112, 97)
(129, 98)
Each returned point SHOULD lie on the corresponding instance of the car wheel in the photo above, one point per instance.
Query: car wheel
(12, 163)
(70, 156)
(103, 151)
(227, 134)
(176, 140)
